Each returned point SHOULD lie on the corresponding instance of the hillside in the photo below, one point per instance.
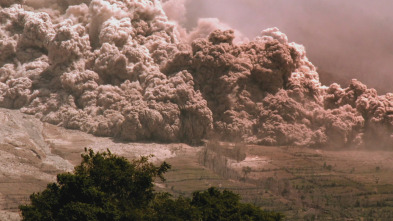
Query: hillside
(32, 153)
(300, 182)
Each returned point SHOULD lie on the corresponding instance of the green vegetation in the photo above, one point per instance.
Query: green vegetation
(108, 187)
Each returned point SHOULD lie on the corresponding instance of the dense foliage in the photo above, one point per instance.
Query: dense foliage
(108, 187)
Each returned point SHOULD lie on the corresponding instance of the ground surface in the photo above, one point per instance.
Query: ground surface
(303, 183)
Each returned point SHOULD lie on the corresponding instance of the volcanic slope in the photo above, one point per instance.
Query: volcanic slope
(302, 183)
(32, 153)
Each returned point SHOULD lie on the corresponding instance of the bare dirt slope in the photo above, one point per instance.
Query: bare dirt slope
(32, 153)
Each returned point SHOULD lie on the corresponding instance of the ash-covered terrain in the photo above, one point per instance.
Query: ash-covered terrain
(32, 153)
(123, 69)
(302, 183)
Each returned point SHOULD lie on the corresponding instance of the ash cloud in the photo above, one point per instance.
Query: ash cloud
(123, 69)
(349, 39)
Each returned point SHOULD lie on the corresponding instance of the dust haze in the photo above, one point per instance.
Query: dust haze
(348, 39)
(141, 70)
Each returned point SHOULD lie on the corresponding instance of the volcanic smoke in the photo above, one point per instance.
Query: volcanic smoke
(123, 69)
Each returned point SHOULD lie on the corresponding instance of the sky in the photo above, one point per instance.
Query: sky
(351, 38)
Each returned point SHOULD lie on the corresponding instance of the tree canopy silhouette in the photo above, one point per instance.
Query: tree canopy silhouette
(108, 187)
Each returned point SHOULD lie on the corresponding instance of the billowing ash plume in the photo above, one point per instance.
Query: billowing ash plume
(122, 69)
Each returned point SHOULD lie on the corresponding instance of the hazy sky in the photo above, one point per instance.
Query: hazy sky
(353, 38)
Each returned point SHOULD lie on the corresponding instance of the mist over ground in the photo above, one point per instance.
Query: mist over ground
(130, 70)
(350, 39)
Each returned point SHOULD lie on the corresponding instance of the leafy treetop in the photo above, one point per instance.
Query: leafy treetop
(108, 187)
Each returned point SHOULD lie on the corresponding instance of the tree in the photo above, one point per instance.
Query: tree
(164, 208)
(216, 205)
(102, 187)
(108, 187)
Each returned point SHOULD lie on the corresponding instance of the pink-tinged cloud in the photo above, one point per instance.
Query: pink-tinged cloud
(123, 69)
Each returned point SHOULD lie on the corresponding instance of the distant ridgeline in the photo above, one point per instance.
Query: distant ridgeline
(122, 69)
